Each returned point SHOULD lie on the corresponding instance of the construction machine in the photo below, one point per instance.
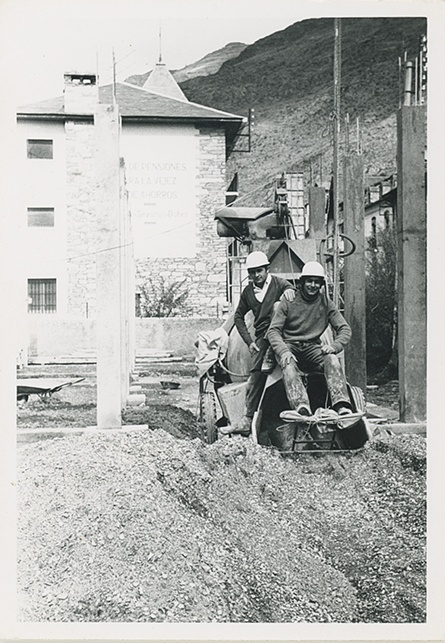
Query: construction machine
(223, 358)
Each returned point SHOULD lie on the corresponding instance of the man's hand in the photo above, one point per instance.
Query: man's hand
(289, 294)
(285, 359)
(327, 349)
(253, 348)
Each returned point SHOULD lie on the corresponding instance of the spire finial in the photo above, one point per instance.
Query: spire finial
(160, 43)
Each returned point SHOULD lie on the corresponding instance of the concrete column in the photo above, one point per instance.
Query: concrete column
(317, 215)
(354, 270)
(411, 247)
(127, 289)
(109, 310)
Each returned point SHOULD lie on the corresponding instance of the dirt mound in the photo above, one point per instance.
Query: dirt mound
(180, 423)
(144, 526)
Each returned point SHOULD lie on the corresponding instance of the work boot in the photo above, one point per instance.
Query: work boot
(342, 409)
(242, 427)
(269, 361)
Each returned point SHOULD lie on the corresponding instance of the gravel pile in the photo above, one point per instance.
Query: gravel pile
(145, 526)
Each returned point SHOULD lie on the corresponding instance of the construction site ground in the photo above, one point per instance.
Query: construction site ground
(149, 524)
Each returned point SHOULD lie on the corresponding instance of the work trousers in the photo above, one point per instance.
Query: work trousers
(257, 379)
(310, 359)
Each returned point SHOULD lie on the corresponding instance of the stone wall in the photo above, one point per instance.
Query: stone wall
(52, 338)
(205, 275)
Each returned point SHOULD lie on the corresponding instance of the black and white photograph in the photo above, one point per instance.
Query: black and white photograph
(216, 247)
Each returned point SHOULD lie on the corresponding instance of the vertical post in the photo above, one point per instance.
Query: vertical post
(337, 96)
(317, 215)
(411, 246)
(354, 270)
(109, 402)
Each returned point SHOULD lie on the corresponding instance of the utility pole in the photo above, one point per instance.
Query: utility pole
(336, 122)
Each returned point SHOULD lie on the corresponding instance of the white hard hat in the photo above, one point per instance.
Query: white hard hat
(312, 269)
(256, 259)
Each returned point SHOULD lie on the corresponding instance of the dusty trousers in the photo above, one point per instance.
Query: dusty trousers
(310, 359)
(257, 379)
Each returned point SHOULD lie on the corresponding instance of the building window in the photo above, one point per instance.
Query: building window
(39, 148)
(41, 295)
(40, 217)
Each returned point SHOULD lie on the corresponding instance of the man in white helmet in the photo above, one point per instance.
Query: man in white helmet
(263, 291)
(295, 332)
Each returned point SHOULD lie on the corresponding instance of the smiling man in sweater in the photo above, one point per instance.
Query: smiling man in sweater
(294, 334)
(263, 291)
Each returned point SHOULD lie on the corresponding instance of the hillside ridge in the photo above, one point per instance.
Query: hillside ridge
(209, 64)
(287, 77)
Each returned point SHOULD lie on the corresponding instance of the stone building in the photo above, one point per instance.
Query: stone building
(174, 153)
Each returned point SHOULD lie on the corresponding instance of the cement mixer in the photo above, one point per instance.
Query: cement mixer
(223, 363)
(223, 357)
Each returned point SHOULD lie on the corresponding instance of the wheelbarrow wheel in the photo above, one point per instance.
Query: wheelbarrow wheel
(207, 413)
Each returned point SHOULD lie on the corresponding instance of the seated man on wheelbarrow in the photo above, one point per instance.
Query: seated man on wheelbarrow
(294, 334)
(260, 295)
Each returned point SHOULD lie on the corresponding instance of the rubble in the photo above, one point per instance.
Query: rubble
(152, 527)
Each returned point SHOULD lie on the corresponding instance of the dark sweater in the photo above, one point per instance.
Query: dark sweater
(262, 311)
(305, 321)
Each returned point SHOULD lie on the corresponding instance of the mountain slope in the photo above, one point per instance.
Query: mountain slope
(205, 66)
(287, 78)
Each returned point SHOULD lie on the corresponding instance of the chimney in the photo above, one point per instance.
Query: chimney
(81, 93)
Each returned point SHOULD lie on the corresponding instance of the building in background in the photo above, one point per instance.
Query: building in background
(174, 153)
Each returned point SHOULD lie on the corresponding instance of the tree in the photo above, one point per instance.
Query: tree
(381, 303)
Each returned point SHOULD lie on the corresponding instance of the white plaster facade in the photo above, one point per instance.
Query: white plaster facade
(175, 178)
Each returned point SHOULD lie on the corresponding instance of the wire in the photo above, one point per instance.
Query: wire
(126, 245)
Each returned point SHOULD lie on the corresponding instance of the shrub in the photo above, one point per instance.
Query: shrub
(158, 298)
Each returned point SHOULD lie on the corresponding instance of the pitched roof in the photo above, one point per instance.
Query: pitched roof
(162, 82)
(137, 102)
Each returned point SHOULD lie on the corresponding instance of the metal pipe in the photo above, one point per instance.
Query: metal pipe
(420, 77)
(416, 81)
(359, 143)
(408, 84)
(400, 82)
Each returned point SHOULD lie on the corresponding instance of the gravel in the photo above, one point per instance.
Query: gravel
(149, 526)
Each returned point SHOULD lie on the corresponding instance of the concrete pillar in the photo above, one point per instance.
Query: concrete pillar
(127, 289)
(411, 248)
(317, 215)
(354, 270)
(109, 310)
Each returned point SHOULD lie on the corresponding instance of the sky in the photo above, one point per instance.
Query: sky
(50, 37)
(42, 39)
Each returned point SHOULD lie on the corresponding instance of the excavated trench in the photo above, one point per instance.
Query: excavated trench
(152, 525)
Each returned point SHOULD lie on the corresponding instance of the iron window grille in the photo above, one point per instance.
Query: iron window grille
(42, 295)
